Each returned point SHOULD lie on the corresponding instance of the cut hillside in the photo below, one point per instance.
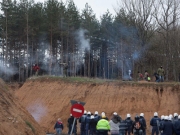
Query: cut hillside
(14, 118)
(49, 98)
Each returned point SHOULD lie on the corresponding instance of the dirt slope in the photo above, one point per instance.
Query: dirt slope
(15, 119)
(47, 100)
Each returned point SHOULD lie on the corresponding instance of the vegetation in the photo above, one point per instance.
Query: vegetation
(29, 124)
(143, 35)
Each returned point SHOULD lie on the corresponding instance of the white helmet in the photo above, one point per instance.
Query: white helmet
(70, 114)
(115, 113)
(142, 114)
(92, 116)
(89, 112)
(96, 112)
(175, 114)
(170, 118)
(155, 114)
(103, 113)
(85, 112)
(128, 115)
(166, 117)
(170, 115)
(179, 117)
(162, 117)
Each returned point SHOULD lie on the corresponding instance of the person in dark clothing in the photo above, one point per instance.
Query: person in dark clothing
(70, 125)
(96, 117)
(87, 122)
(123, 127)
(167, 127)
(137, 126)
(129, 122)
(177, 126)
(161, 123)
(156, 76)
(58, 126)
(142, 119)
(83, 124)
(154, 123)
(92, 126)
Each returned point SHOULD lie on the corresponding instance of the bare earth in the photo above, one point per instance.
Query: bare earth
(47, 99)
(14, 118)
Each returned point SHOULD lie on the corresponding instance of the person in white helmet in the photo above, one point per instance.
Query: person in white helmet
(177, 126)
(154, 123)
(83, 124)
(87, 122)
(129, 122)
(92, 126)
(161, 123)
(175, 117)
(114, 124)
(142, 119)
(167, 127)
(96, 117)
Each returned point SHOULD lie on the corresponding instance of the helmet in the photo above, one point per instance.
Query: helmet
(115, 113)
(170, 115)
(92, 116)
(179, 117)
(170, 118)
(89, 112)
(175, 114)
(96, 112)
(162, 117)
(70, 114)
(155, 114)
(103, 113)
(128, 115)
(85, 112)
(166, 117)
(136, 118)
(142, 114)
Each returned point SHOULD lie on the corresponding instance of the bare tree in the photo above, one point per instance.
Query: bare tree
(167, 16)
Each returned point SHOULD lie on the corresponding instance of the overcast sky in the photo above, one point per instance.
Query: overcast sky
(99, 6)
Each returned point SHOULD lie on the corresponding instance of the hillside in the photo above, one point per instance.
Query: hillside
(49, 98)
(14, 118)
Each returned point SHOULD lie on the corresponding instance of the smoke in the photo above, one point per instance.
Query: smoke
(37, 110)
(83, 42)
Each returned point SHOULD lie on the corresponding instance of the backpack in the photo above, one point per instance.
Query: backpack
(137, 125)
(83, 119)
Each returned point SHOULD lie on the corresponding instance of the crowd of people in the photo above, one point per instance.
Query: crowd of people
(95, 124)
(159, 75)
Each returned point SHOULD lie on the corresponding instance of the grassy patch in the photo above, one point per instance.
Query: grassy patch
(29, 124)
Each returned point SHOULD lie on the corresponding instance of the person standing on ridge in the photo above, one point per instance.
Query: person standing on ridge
(154, 123)
(58, 126)
(146, 75)
(161, 74)
(36, 69)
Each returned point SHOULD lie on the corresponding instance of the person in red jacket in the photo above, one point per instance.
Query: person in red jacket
(58, 126)
(36, 69)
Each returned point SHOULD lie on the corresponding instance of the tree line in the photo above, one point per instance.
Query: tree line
(142, 35)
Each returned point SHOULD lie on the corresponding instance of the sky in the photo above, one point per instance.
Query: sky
(99, 6)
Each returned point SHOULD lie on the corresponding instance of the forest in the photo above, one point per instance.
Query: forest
(142, 35)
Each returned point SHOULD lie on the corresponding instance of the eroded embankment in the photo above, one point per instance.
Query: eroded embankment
(47, 100)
